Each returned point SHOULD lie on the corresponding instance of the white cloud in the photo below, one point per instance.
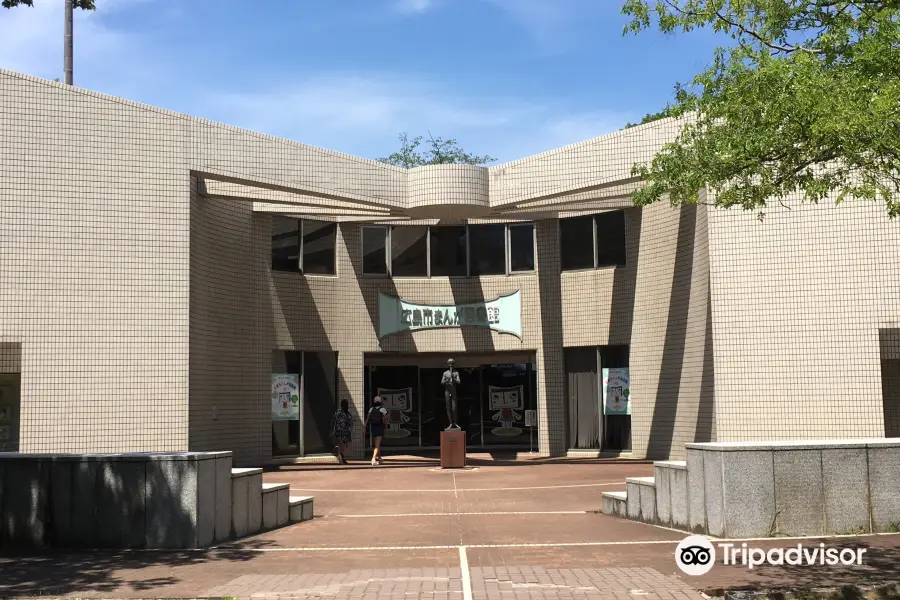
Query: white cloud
(363, 115)
(356, 113)
(553, 24)
(414, 6)
(31, 40)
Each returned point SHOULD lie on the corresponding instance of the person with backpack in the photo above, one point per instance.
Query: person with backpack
(377, 417)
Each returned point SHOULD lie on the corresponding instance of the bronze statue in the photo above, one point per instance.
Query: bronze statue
(450, 380)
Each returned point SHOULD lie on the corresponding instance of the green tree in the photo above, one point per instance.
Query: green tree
(68, 38)
(806, 99)
(438, 152)
(82, 4)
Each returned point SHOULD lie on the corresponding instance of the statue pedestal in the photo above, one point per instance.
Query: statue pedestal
(453, 449)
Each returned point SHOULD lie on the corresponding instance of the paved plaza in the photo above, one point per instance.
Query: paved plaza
(502, 529)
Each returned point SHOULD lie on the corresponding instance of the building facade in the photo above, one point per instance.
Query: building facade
(162, 275)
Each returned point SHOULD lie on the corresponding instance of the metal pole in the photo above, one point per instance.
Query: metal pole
(67, 66)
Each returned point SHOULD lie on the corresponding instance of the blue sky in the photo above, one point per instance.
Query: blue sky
(508, 78)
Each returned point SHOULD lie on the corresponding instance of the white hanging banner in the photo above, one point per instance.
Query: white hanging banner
(503, 315)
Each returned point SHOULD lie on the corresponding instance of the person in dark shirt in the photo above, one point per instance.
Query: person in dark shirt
(341, 430)
(377, 417)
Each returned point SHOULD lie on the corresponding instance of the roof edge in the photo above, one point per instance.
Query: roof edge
(201, 120)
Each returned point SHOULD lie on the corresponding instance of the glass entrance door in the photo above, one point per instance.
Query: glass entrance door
(491, 400)
(434, 405)
(399, 391)
(509, 390)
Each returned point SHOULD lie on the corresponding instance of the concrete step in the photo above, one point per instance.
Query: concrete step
(615, 504)
(246, 502)
(301, 508)
(275, 504)
(671, 479)
(641, 499)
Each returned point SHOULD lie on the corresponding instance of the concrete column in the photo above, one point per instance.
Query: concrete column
(550, 368)
(350, 386)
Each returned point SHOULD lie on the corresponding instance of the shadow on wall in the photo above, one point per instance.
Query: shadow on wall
(662, 427)
(126, 502)
(621, 314)
(889, 346)
(549, 273)
(370, 287)
(706, 418)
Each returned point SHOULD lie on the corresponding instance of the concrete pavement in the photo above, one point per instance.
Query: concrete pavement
(527, 529)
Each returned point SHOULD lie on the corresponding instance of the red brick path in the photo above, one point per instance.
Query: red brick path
(529, 530)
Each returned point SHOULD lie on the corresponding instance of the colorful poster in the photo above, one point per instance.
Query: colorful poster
(616, 392)
(397, 402)
(285, 397)
(503, 315)
(506, 401)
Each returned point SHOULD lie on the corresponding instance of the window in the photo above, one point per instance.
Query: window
(409, 251)
(307, 246)
(595, 241)
(319, 240)
(521, 248)
(487, 249)
(285, 244)
(576, 243)
(448, 251)
(610, 238)
(10, 409)
(374, 247)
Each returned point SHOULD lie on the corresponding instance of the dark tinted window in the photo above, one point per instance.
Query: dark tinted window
(610, 238)
(409, 251)
(487, 249)
(374, 241)
(318, 247)
(448, 251)
(285, 244)
(576, 243)
(521, 248)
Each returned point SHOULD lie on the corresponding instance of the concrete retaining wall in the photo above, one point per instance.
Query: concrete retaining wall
(144, 500)
(762, 489)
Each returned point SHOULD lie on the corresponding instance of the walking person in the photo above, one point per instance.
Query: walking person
(377, 417)
(341, 428)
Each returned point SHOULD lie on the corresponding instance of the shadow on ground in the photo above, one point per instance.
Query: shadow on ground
(881, 564)
(433, 460)
(66, 572)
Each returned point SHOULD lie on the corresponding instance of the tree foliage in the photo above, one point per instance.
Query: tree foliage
(82, 4)
(806, 99)
(649, 118)
(438, 151)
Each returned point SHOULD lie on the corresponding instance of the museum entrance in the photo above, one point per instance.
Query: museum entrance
(495, 391)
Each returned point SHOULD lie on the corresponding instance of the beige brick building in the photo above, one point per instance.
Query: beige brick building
(156, 270)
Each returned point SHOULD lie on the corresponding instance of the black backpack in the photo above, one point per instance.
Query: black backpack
(376, 417)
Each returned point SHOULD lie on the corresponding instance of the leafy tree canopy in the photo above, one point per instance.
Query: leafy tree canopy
(83, 4)
(666, 112)
(438, 151)
(807, 98)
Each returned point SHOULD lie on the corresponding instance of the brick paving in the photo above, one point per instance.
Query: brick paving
(529, 530)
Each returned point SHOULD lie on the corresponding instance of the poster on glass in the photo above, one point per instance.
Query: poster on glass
(616, 392)
(285, 397)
